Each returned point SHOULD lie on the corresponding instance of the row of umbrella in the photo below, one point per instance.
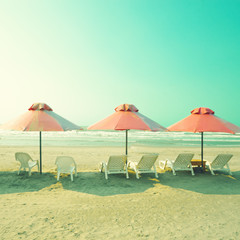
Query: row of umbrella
(40, 117)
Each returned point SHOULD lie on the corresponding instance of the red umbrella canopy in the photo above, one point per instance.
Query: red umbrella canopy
(126, 117)
(40, 117)
(203, 120)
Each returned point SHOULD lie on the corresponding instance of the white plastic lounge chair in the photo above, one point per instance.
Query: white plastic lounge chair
(116, 164)
(26, 162)
(145, 165)
(182, 163)
(219, 163)
(66, 164)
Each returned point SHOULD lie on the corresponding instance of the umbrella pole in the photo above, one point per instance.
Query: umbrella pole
(126, 147)
(40, 150)
(127, 142)
(202, 150)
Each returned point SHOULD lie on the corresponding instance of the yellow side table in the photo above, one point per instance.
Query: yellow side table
(198, 163)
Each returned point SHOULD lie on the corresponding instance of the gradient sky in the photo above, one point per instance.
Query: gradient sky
(85, 57)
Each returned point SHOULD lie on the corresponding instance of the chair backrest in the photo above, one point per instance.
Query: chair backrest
(183, 160)
(221, 160)
(147, 161)
(65, 163)
(23, 158)
(116, 162)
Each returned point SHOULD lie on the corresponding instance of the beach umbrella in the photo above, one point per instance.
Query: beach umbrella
(203, 120)
(127, 117)
(40, 117)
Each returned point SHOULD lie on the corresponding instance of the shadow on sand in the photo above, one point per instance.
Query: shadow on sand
(204, 183)
(86, 182)
(10, 182)
(95, 183)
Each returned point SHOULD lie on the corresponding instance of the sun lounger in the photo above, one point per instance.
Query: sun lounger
(115, 165)
(66, 164)
(145, 165)
(219, 163)
(26, 162)
(182, 163)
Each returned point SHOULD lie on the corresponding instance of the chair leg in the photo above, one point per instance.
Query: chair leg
(38, 165)
(127, 176)
(58, 175)
(210, 168)
(155, 170)
(192, 171)
(228, 169)
(104, 165)
(71, 176)
(101, 167)
(174, 173)
(133, 166)
(137, 175)
(29, 172)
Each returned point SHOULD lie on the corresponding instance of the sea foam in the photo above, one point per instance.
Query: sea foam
(116, 138)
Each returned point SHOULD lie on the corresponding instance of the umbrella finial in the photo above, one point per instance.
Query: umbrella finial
(126, 108)
(40, 106)
(202, 110)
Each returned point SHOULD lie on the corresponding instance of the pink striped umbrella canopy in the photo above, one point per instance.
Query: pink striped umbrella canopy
(203, 120)
(127, 117)
(40, 117)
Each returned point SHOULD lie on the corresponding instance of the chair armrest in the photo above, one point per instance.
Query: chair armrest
(32, 160)
(162, 164)
(101, 166)
(33, 163)
(132, 164)
(208, 163)
(75, 166)
(168, 163)
(75, 169)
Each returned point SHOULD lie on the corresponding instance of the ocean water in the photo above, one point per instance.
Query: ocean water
(117, 138)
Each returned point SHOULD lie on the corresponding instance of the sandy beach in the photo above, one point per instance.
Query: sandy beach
(170, 207)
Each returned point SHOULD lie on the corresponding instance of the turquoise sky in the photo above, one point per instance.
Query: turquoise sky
(84, 58)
